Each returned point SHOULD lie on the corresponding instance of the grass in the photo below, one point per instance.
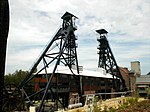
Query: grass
(143, 106)
(131, 105)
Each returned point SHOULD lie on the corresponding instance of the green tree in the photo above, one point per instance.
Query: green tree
(15, 78)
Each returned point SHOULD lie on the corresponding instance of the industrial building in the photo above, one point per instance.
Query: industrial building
(61, 79)
(131, 75)
(143, 85)
(57, 78)
(64, 84)
(125, 74)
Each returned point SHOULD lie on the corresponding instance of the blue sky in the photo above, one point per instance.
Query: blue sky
(34, 22)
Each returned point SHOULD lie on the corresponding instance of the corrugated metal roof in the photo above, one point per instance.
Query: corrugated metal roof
(100, 72)
(143, 79)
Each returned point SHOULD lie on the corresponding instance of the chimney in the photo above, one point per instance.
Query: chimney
(135, 67)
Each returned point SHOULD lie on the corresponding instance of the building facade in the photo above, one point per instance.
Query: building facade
(143, 85)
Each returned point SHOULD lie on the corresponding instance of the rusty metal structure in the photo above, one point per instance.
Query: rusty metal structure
(107, 60)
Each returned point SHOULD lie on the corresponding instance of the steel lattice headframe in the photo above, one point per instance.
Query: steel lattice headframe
(107, 60)
(60, 51)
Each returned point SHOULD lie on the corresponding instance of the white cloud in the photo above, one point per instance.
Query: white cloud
(34, 22)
